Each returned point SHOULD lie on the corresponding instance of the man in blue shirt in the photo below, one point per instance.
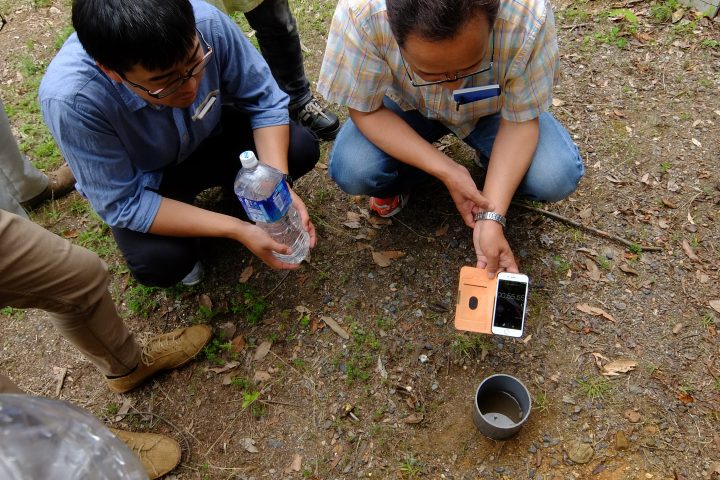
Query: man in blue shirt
(151, 101)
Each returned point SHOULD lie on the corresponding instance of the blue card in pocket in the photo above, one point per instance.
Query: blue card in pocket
(473, 94)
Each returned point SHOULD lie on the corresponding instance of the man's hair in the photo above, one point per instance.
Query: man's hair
(119, 34)
(436, 20)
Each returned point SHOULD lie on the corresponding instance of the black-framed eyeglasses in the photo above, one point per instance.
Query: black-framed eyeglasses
(457, 76)
(175, 85)
(3, 22)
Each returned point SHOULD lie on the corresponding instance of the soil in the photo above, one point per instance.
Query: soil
(642, 103)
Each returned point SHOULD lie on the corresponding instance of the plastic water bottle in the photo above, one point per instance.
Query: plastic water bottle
(265, 196)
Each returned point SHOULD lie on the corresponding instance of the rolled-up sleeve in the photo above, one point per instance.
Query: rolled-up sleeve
(532, 73)
(122, 195)
(246, 77)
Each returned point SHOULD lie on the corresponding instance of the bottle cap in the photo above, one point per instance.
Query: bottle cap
(248, 159)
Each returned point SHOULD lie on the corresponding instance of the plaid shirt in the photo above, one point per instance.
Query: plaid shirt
(362, 64)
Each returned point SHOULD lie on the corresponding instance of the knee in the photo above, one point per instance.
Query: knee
(162, 266)
(555, 180)
(355, 163)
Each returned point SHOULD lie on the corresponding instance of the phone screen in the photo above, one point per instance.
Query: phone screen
(510, 304)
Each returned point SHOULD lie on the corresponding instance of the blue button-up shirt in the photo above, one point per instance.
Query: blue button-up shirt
(117, 144)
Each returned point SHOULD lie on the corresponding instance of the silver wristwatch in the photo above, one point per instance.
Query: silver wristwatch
(491, 216)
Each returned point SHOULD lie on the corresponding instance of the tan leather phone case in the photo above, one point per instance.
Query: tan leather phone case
(476, 295)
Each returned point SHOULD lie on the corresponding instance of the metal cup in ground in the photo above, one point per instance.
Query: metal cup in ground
(502, 404)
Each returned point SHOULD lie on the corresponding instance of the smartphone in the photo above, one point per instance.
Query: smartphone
(510, 304)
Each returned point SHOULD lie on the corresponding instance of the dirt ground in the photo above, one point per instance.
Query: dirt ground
(639, 94)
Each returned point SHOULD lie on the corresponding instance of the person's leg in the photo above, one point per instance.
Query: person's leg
(556, 168)
(19, 179)
(156, 260)
(279, 41)
(41, 270)
(361, 168)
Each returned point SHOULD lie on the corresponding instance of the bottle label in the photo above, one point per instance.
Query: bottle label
(272, 208)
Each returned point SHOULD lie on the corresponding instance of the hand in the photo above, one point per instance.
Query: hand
(466, 195)
(260, 243)
(492, 249)
(304, 217)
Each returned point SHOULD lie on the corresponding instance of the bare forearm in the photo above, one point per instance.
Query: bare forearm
(272, 145)
(178, 219)
(394, 136)
(512, 154)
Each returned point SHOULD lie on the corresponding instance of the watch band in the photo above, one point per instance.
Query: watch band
(288, 179)
(491, 216)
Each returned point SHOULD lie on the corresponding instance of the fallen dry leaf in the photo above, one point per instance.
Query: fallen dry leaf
(676, 329)
(689, 251)
(261, 376)
(262, 350)
(204, 301)
(335, 327)
(246, 274)
(238, 343)
(440, 232)
(557, 102)
(715, 304)
(295, 465)
(413, 419)
(123, 410)
(696, 142)
(599, 356)
(627, 269)
(315, 325)
(380, 259)
(616, 367)
(381, 369)
(249, 445)
(224, 368)
(663, 224)
(685, 398)
(702, 276)
(668, 203)
(378, 222)
(595, 311)
(632, 416)
(593, 270)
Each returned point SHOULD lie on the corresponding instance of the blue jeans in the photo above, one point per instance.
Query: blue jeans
(361, 168)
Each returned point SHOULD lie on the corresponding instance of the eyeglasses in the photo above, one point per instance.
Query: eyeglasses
(457, 76)
(175, 85)
(3, 22)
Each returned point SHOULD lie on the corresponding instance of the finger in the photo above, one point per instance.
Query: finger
(481, 201)
(492, 265)
(313, 235)
(469, 219)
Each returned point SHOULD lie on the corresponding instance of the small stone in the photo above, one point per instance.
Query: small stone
(434, 386)
(226, 330)
(454, 243)
(621, 440)
(423, 358)
(580, 452)
(532, 449)
(371, 275)
(274, 443)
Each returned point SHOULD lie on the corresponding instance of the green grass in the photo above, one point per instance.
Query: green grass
(214, 351)
(111, 409)
(410, 467)
(241, 383)
(15, 313)
(710, 43)
(707, 320)
(662, 12)
(604, 262)
(595, 387)
(541, 403)
(142, 300)
(469, 345)
(561, 264)
(248, 304)
(665, 167)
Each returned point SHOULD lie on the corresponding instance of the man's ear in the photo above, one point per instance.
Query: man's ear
(112, 74)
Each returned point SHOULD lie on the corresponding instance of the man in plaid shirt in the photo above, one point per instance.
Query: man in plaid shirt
(412, 71)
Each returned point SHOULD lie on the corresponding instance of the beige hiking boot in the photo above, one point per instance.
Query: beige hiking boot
(164, 352)
(60, 183)
(159, 454)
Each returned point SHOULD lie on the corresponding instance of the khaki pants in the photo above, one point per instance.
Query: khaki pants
(41, 270)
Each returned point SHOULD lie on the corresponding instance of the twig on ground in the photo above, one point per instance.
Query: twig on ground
(278, 402)
(409, 228)
(602, 233)
(287, 273)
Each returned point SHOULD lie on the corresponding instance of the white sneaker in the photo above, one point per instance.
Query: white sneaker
(195, 276)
